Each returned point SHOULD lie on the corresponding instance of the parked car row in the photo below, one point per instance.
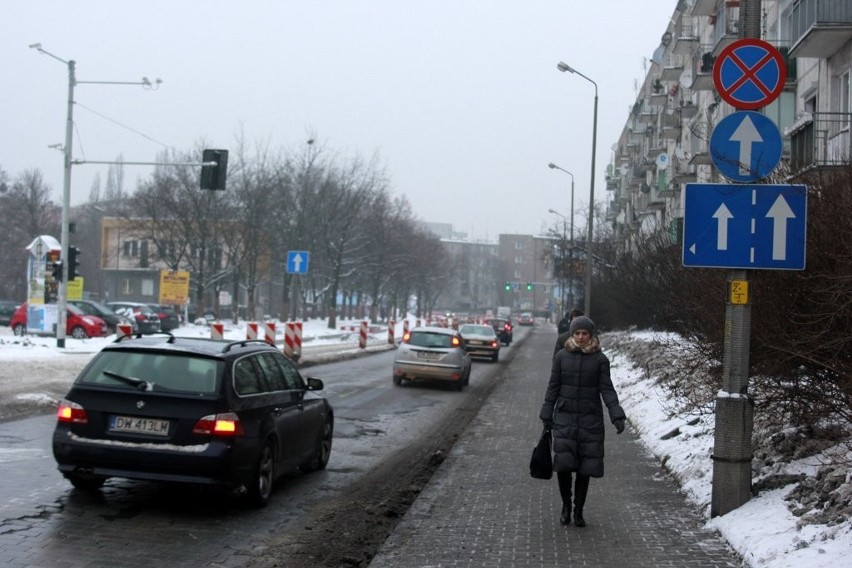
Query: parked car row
(77, 324)
(142, 318)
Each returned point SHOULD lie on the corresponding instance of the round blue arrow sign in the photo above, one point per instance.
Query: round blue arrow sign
(745, 146)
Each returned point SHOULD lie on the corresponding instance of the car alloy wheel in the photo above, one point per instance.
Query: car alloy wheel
(264, 476)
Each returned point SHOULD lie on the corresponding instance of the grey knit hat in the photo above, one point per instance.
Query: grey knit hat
(582, 322)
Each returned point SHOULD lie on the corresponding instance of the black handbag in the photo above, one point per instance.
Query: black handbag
(541, 462)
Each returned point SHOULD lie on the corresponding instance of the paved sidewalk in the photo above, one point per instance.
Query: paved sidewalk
(482, 509)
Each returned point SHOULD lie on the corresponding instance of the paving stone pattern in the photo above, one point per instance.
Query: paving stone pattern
(482, 509)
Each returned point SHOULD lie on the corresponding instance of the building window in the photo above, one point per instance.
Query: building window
(519, 260)
(126, 287)
(147, 287)
(519, 245)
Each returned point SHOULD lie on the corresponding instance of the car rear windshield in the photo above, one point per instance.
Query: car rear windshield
(477, 329)
(426, 339)
(154, 371)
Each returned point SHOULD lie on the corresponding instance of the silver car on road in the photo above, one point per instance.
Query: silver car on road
(432, 354)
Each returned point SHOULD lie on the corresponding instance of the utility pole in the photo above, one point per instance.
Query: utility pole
(732, 447)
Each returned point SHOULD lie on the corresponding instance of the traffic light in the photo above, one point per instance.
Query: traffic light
(530, 286)
(73, 263)
(507, 286)
(214, 176)
(55, 268)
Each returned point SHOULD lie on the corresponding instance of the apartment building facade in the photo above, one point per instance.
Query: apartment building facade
(665, 141)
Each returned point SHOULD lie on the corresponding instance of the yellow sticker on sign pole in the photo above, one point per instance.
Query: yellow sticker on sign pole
(739, 292)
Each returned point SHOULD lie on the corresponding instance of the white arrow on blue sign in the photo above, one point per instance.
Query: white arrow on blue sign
(297, 261)
(745, 226)
(745, 146)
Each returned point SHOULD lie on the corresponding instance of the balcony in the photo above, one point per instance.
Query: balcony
(704, 7)
(702, 69)
(726, 30)
(685, 35)
(821, 139)
(672, 68)
(819, 28)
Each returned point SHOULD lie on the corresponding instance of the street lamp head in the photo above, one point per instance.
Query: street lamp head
(35, 46)
(552, 166)
(562, 66)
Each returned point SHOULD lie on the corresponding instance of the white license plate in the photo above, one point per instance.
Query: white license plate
(475, 342)
(428, 355)
(136, 425)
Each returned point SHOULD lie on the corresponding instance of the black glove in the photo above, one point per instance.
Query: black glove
(619, 425)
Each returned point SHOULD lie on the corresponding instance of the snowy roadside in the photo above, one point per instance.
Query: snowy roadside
(765, 530)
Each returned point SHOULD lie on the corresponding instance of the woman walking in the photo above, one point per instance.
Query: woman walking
(572, 408)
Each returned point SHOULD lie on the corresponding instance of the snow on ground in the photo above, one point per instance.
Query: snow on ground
(764, 530)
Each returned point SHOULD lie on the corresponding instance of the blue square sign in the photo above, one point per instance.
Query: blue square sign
(297, 261)
(745, 226)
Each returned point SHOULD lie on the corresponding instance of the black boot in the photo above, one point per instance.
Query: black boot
(565, 480)
(581, 488)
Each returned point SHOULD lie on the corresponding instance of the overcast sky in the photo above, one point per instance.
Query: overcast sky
(460, 100)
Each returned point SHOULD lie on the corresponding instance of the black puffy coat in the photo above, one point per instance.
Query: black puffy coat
(579, 379)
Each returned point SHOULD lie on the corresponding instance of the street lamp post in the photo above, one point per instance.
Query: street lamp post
(588, 292)
(66, 184)
(570, 303)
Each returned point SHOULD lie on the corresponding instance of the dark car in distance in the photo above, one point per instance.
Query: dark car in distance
(503, 329)
(230, 414)
(169, 318)
(147, 321)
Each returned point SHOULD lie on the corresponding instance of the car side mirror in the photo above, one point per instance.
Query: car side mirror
(315, 384)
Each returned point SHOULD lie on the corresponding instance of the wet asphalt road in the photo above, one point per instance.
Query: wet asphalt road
(44, 522)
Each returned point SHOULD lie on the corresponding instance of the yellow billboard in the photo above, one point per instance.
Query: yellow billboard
(174, 287)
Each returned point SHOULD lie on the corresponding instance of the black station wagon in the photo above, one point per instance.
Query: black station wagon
(232, 414)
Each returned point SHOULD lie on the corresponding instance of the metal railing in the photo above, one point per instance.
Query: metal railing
(806, 13)
(824, 139)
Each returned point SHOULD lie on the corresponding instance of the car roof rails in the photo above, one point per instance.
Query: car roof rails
(242, 343)
(140, 335)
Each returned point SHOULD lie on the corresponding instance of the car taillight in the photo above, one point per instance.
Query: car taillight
(507, 327)
(71, 412)
(226, 424)
(456, 342)
(493, 344)
(406, 336)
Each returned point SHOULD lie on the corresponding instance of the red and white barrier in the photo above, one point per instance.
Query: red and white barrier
(217, 331)
(405, 326)
(297, 343)
(417, 323)
(289, 338)
(362, 336)
(270, 332)
(251, 330)
(391, 332)
(123, 329)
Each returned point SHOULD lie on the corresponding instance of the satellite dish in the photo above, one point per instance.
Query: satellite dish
(624, 169)
(686, 78)
(662, 161)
